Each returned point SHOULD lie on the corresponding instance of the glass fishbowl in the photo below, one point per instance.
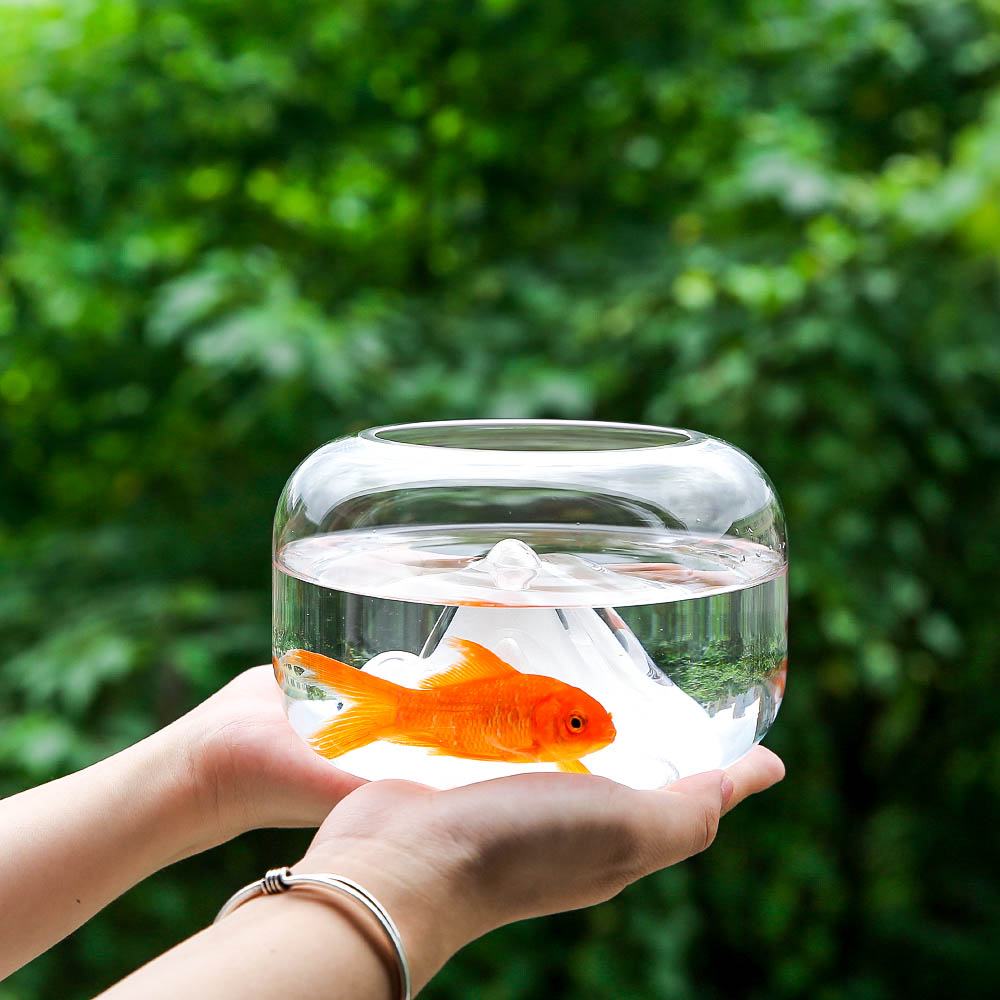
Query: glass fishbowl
(462, 600)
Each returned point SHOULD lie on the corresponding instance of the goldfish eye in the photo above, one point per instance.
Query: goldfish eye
(576, 722)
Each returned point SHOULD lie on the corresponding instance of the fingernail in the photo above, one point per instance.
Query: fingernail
(727, 789)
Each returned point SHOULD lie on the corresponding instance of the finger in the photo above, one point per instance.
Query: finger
(758, 770)
(316, 791)
(683, 819)
(667, 825)
(695, 805)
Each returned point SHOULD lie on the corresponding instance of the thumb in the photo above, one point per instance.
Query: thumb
(696, 805)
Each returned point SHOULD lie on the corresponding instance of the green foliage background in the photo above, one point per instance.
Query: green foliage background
(230, 231)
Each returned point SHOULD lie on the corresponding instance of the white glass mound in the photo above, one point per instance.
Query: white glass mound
(680, 637)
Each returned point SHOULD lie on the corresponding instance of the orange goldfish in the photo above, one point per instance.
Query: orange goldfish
(480, 708)
(779, 678)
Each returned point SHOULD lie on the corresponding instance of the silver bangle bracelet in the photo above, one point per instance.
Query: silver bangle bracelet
(282, 880)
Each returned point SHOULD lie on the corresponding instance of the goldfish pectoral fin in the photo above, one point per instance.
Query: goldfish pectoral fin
(475, 663)
(572, 767)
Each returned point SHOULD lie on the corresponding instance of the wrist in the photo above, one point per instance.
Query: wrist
(424, 899)
(208, 777)
(191, 817)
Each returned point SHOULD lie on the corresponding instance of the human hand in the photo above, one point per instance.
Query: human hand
(249, 768)
(231, 764)
(451, 865)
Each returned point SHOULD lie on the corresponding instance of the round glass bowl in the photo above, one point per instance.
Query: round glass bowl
(461, 600)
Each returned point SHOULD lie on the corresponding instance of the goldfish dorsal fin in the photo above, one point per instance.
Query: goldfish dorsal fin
(475, 663)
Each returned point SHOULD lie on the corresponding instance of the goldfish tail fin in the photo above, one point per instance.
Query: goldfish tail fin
(349, 682)
(350, 729)
(572, 767)
(370, 714)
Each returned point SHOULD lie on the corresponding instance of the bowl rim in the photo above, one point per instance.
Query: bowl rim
(646, 437)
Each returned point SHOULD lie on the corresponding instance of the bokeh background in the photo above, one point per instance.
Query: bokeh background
(231, 231)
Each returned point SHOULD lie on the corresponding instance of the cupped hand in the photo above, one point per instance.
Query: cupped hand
(473, 858)
(250, 768)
